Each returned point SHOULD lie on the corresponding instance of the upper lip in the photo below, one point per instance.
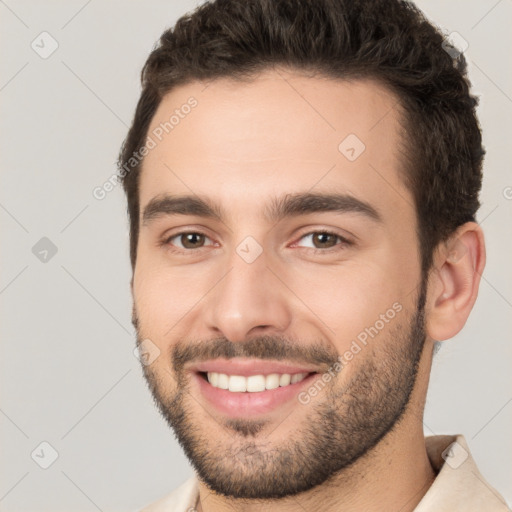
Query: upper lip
(247, 367)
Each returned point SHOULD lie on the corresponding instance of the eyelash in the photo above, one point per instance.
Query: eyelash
(343, 241)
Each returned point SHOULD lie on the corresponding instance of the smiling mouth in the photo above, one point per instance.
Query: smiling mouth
(253, 383)
(251, 394)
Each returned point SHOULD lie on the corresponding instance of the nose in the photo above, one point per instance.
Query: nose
(249, 298)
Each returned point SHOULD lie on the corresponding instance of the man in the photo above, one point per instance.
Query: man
(302, 182)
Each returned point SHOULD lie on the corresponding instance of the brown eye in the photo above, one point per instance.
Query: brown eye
(324, 240)
(186, 241)
(192, 240)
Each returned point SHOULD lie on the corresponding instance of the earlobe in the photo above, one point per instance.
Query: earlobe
(454, 281)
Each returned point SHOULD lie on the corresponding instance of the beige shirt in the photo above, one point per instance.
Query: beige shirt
(458, 486)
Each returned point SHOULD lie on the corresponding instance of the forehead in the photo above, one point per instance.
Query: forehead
(282, 132)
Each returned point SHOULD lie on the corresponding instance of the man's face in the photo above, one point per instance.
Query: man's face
(258, 293)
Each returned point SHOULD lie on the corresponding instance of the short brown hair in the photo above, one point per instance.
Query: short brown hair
(387, 40)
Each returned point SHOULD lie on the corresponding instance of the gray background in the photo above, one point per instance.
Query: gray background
(68, 373)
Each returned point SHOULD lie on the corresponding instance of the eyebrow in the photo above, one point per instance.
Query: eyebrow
(290, 205)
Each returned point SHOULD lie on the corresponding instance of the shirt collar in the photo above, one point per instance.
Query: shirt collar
(458, 484)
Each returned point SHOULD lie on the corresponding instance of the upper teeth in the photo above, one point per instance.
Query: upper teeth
(254, 383)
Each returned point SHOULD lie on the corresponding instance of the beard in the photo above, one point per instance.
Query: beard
(343, 423)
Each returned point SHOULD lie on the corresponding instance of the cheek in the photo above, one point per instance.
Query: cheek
(350, 300)
(165, 297)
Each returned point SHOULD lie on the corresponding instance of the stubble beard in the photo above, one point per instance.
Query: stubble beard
(336, 429)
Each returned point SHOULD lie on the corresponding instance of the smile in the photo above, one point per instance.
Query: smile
(253, 383)
(238, 396)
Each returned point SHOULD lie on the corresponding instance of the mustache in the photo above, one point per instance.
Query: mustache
(261, 347)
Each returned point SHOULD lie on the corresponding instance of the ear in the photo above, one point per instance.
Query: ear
(454, 281)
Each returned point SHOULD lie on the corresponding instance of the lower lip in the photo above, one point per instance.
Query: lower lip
(245, 404)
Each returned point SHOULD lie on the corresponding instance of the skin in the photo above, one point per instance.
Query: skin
(241, 145)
